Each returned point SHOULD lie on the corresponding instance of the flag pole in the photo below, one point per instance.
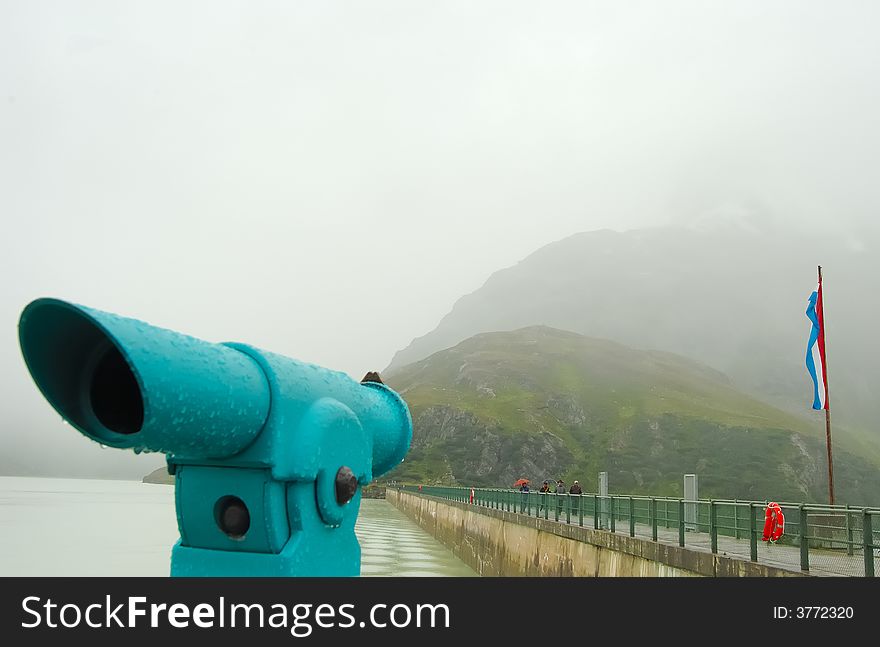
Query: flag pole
(827, 404)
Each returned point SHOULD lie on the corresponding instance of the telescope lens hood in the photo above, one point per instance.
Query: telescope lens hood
(81, 371)
(128, 384)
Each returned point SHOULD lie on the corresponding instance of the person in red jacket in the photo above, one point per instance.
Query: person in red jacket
(471, 501)
(774, 523)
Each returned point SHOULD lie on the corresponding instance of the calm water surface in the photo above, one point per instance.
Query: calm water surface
(126, 528)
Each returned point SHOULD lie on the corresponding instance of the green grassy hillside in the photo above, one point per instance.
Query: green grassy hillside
(544, 403)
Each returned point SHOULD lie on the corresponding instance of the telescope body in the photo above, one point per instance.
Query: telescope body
(269, 453)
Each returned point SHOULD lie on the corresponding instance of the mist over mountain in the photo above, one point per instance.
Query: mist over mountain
(324, 180)
(731, 294)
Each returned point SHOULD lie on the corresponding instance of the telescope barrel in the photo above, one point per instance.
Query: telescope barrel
(297, 385)
(390, 417)
(127, 384)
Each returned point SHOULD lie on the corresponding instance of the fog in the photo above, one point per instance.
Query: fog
(325, 179)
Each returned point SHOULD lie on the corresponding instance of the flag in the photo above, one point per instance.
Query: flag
(816, 350)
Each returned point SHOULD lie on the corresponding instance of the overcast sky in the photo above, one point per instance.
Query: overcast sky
(324, 179)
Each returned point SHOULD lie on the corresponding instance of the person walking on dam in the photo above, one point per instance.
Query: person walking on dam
(524, 497)
(575, 500)
(560, 492)
(542, 496)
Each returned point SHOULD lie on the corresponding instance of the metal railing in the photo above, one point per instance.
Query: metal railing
(824, 539)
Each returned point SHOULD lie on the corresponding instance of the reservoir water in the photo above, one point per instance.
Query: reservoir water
(125, 528)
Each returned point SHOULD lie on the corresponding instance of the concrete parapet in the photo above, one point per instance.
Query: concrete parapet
(499, 543)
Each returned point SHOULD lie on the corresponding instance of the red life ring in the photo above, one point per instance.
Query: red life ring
(774, 523)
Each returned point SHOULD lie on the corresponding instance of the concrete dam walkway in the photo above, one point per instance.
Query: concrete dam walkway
(497, 541)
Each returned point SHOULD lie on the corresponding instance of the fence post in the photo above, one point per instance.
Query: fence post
(567, 508)
(653, 513)
(753, 534)
(868, 541)
(805, 542)
(713, 526)
(596, 511)
(613, 513)
(546, 505)
(632, 519)
(580, 510)
(681, 522)
(736, 518)
(849, 533)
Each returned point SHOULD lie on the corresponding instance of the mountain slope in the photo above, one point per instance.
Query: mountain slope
(540, 403)
(733, 299)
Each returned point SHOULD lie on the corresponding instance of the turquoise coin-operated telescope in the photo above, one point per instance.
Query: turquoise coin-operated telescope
(268, 452)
